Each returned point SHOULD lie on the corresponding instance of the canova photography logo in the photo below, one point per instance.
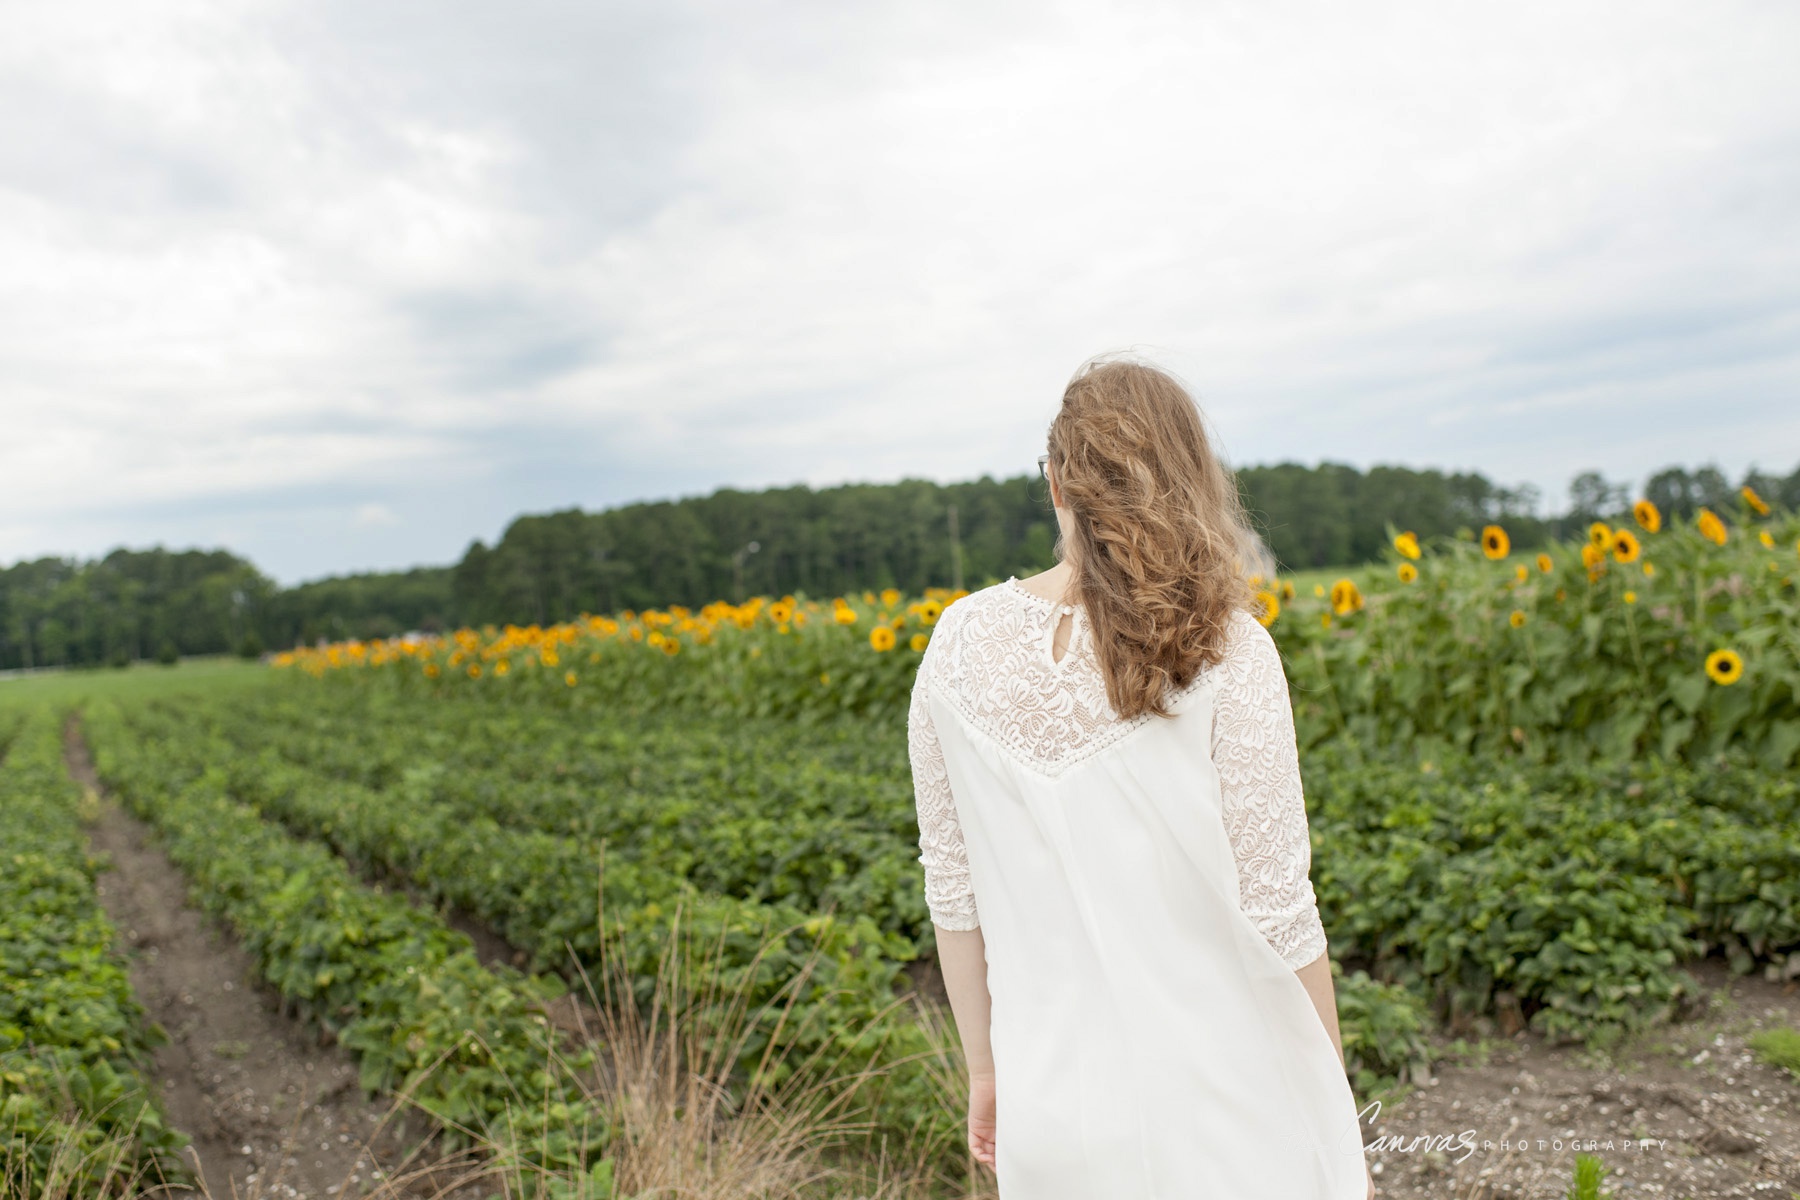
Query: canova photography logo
(1461, 1144)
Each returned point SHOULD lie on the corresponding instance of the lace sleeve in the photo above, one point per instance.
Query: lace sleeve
(1254, 748)
(948, 892)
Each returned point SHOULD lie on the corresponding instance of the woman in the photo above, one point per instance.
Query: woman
(1115, 847)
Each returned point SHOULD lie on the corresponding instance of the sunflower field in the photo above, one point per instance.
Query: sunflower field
(1645, 637)
(1679, 641)
(783, 657)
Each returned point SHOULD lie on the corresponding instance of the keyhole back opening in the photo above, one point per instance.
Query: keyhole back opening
(1059, 638)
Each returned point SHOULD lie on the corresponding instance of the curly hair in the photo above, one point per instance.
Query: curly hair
(1163, 549)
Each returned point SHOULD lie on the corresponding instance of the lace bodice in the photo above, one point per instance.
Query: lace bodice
(990, 658)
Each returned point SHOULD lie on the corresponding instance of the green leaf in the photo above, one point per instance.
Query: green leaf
(1689, 691)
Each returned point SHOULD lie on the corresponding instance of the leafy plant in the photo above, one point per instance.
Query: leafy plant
(75, 1114)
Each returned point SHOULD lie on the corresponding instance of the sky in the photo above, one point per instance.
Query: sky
(344, 286)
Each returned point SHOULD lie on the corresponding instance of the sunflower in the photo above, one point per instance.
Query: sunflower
(431, 670)
(1287, 589)
(1346, 598)
(671, 646)
(843, 614)
(1270, 607)
(1408, 573)
(1407, 544)
(929, 612)
(1766, 538)
(1647, 515)
(569, 679)
(1724, 666)
(1711, 528)
(890, 596)
(1600, 534)
(881, 638)
(1630, 597)
(1625, 546)
(1318, 589)
(1544, 564)
(1521, 573)
(918, 642)
(1754, 501)
(1517, 618)
(1649, 570)
(502, 667)
(1592, 556)
(781, 612)
(1494, 542)
(474, 670)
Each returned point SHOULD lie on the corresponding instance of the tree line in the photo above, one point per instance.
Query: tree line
(161, 604)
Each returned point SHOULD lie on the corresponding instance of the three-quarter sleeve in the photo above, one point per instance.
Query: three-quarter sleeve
(949, 894)
(1258, 760)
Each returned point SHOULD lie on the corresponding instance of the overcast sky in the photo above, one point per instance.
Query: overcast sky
(345, 284)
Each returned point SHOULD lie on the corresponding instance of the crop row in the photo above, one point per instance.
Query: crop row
(73, 1039)
(816, 819)
(820, 988)
(537, 886)
(1568, 891)
(468, 1044)
(420, 788)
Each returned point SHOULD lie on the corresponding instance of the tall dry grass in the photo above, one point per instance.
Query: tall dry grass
(76, 1157)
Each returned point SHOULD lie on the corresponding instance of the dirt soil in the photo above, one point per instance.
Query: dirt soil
(1683, 1113)
(272, 1111)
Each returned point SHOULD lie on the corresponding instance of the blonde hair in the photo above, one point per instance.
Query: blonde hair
(1163, 550)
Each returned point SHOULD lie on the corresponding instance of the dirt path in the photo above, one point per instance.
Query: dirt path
(271, 1111)
(1717, 1122)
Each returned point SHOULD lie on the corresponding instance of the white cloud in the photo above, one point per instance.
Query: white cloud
(374, 515)
(292, 250)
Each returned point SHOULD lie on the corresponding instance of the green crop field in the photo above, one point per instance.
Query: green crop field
(1537, 786)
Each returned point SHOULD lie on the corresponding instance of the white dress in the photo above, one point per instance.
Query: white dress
(1142, 889)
